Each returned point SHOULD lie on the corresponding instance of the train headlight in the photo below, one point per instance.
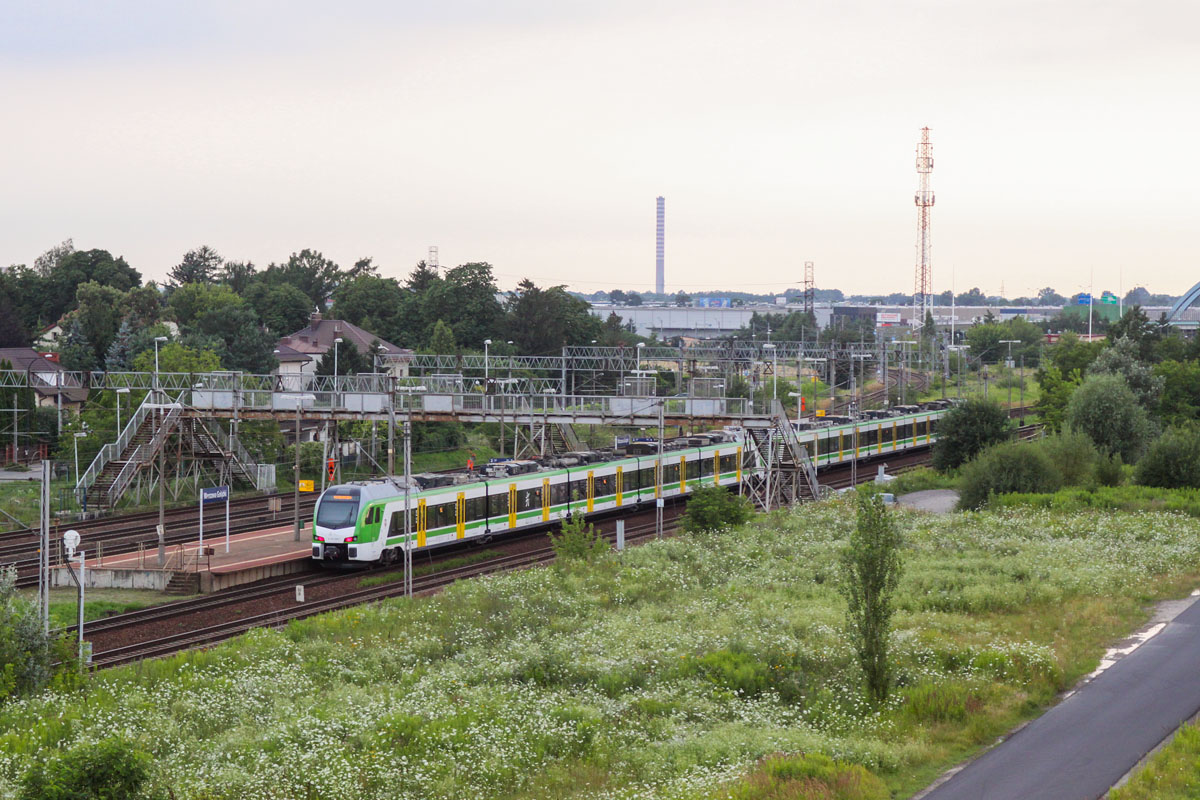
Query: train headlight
(320, 538)
(348, 539)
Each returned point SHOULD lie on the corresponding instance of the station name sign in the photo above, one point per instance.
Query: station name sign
(216, 494)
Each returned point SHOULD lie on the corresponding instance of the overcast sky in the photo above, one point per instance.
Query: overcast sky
(536, 135)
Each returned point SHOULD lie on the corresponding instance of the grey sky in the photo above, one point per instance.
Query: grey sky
(536, 135)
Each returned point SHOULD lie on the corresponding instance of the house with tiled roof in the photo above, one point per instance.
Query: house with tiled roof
(299, 353)
(51, 384)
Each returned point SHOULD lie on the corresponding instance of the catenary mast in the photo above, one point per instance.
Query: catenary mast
(922, 291)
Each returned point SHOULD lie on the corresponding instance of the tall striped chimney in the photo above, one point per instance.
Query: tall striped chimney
(660, 246)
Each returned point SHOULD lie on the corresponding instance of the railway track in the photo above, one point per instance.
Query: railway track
(126, 534)
(210, 634)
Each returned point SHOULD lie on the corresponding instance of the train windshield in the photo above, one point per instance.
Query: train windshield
(337, 510)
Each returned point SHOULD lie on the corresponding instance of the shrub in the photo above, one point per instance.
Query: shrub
(940, 701)
(578, 540)
(111, 769)
(1009, 467)
(967, 430)
(806, 776)
(715, 507)
(1173, 461)
(26, 651)
(870, 566)
(1074, 456)
(1104, 408)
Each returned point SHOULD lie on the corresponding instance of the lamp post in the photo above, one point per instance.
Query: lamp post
(78, 435)
(774, 368)
(904, 370)
(71, 541)
(1009, 363)
(640, 345)
(121, 391)
(157, 339)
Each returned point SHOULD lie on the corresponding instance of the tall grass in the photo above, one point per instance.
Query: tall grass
(696, 667)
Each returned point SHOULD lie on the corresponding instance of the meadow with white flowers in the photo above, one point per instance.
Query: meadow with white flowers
(667, 672)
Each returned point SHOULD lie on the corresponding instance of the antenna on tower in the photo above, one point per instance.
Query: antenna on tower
(922, 292)
(810, 291)
(432, 261)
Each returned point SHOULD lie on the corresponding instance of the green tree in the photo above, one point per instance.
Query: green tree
(870, 572)
(1173, 460)
(12, 331)
(1055, 394)
(76, 352)
(142, 305)
(349, 361)
(1073, 455)
(191, 300)
(1004, 468)
(119, 356)
(1121, 358)
(1135, 326)
(238, 275)
(58, 292)
(98, 310)
(715, 507)
(1107, 410)
(284, 309)
(543, 321)
(111, 769)
(1049, 297)
(1180, 402)
(235, 334)
(372, 303)
(310, 272)
(175, 357)
(201, 265)
(442, 341)
(968, 429)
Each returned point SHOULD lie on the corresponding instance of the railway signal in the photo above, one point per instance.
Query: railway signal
(331, 469)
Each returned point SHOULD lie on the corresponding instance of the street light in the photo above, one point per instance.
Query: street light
(121, 391)
(157, 339)
(71, 541)
(486, 343)
(79, 435)
(1009, 363)
(774, 367)
(640, 345)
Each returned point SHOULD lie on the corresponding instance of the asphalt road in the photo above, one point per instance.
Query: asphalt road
(1081, 747)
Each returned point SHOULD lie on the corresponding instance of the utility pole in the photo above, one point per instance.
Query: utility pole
(162, 486)
(659, 502)
(296, 481)
(44, 549)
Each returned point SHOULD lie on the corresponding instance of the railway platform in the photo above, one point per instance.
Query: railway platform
(189, 569)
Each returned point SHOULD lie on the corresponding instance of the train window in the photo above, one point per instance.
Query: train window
(646, 478)
(558, 493)
(693, 468)
(498, 505)
(440, 516)
(396, 528)
(670, 473)
(578, 490)
(528, 499)
(706, 465)
(475, 508)
(605, 485)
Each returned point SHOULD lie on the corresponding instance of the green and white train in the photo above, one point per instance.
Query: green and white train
(363, 522)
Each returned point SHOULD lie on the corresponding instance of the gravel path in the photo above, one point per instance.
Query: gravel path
(937, 501)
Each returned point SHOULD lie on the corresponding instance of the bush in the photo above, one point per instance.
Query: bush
(1173, 461)
(806, 776)
(111, 769)
(26, 652)
(578, 540)
(1009, 467)
(967, 430)
(1104, 408)
(715, 507)
(1074, 456)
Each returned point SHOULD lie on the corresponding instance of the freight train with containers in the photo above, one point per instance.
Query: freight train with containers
(362, 523)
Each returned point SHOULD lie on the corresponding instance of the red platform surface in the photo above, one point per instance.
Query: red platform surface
(261, 548)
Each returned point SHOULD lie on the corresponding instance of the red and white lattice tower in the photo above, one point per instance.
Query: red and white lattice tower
(922, 289)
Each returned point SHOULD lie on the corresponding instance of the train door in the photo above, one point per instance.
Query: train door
(683, 474)
(512, 506)
(545, 499)
(591, 491)
(620, 485)
(460, 515)
(421, 522)
(739, 466)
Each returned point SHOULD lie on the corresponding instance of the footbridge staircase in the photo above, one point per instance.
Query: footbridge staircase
(159, 424)
(788, 475)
